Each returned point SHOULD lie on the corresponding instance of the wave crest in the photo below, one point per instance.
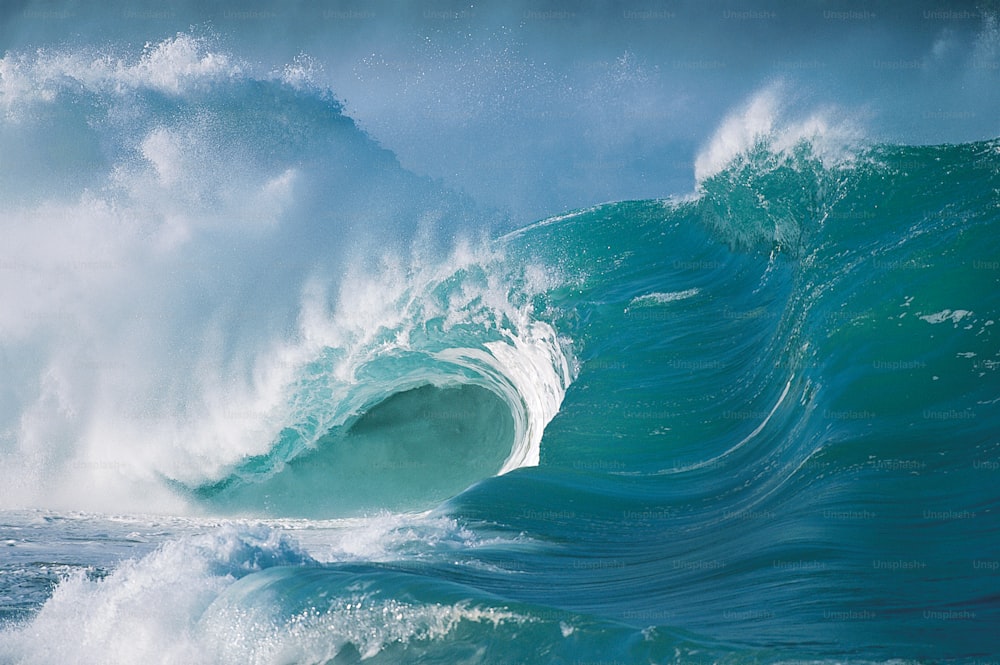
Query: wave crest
(769, 178)
(766, 122)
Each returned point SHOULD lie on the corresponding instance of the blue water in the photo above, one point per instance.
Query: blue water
(282, 384)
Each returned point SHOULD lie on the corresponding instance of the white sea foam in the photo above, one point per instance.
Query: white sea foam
(662, 298)
(955, 316)
(146, 610)
(314, 636)
(168, 606)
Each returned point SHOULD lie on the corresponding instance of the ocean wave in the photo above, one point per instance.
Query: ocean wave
(754, 423)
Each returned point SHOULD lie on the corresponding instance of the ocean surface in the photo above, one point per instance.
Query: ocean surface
(282, 383)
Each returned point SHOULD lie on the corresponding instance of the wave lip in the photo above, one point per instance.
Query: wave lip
(532, 374)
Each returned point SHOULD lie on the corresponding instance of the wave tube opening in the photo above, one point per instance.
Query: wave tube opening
(410, 451)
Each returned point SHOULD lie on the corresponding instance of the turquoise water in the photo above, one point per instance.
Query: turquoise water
(270, 400)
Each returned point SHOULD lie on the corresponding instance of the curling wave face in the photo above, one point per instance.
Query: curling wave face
(422, 382)
(185, 329)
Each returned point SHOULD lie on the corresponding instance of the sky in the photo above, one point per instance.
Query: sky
(533, 108)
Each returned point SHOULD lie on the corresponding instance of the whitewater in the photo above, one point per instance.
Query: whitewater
(460, 339)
